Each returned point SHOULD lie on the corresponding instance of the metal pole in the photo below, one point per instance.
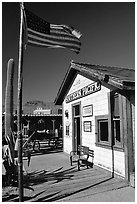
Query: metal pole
(19, 108)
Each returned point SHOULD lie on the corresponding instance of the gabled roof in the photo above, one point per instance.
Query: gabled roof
(118, 78)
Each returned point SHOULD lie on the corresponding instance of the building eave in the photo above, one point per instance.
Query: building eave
(95, 73)
(65, 85)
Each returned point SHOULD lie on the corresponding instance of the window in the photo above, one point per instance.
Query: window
(115, 102)
(109, 128)
(60, 111)
(117, 130)
(102, 132)
(76, 110)
(116, 119)
(67, 130)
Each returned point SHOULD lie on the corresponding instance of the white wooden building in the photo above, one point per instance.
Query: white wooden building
(99, 112)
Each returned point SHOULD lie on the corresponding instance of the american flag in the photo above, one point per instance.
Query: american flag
(41, 33)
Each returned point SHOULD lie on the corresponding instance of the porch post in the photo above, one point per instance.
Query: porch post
(110, 129)
(128, 138)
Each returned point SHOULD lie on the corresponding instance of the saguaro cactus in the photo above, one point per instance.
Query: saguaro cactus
(9, 108)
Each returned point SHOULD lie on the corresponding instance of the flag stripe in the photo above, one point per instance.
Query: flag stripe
(54, 45)
(61, 33)
(69, 45)
(53, 38)
(39, 32)
(38, 44)
(54, 35)
(62, 27)
(50, 45)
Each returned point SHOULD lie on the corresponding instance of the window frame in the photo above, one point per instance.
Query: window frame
(116, 145)
(99, 142)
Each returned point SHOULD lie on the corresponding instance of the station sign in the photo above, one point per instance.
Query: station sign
(89, 89)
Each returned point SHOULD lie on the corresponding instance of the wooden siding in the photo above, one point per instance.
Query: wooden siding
(103, 156)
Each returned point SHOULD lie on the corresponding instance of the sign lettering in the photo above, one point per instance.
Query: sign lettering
(92, 88)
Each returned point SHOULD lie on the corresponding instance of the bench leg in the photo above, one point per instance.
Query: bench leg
(71, 160)
(87, 165)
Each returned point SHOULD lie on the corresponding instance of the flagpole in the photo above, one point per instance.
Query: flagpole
(19, 107)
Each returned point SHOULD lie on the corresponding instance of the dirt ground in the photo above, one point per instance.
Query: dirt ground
(52, 179)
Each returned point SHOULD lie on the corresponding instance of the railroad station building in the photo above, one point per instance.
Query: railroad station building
(99, 112)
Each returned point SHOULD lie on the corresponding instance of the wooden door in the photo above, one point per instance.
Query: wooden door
(76, 127)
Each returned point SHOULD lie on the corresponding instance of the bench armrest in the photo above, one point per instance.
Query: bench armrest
(72, 153)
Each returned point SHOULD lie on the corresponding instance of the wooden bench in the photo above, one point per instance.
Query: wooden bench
(81, 156)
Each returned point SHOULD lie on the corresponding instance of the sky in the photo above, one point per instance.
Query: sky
(108, 38)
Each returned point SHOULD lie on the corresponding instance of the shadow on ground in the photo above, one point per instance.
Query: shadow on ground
(53, 197)
(56, 176)
(58, 197)
(40, 177)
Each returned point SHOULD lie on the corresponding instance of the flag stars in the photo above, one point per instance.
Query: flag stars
(36, 23)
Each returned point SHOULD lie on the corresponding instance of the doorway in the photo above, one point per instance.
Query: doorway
(76, 127)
